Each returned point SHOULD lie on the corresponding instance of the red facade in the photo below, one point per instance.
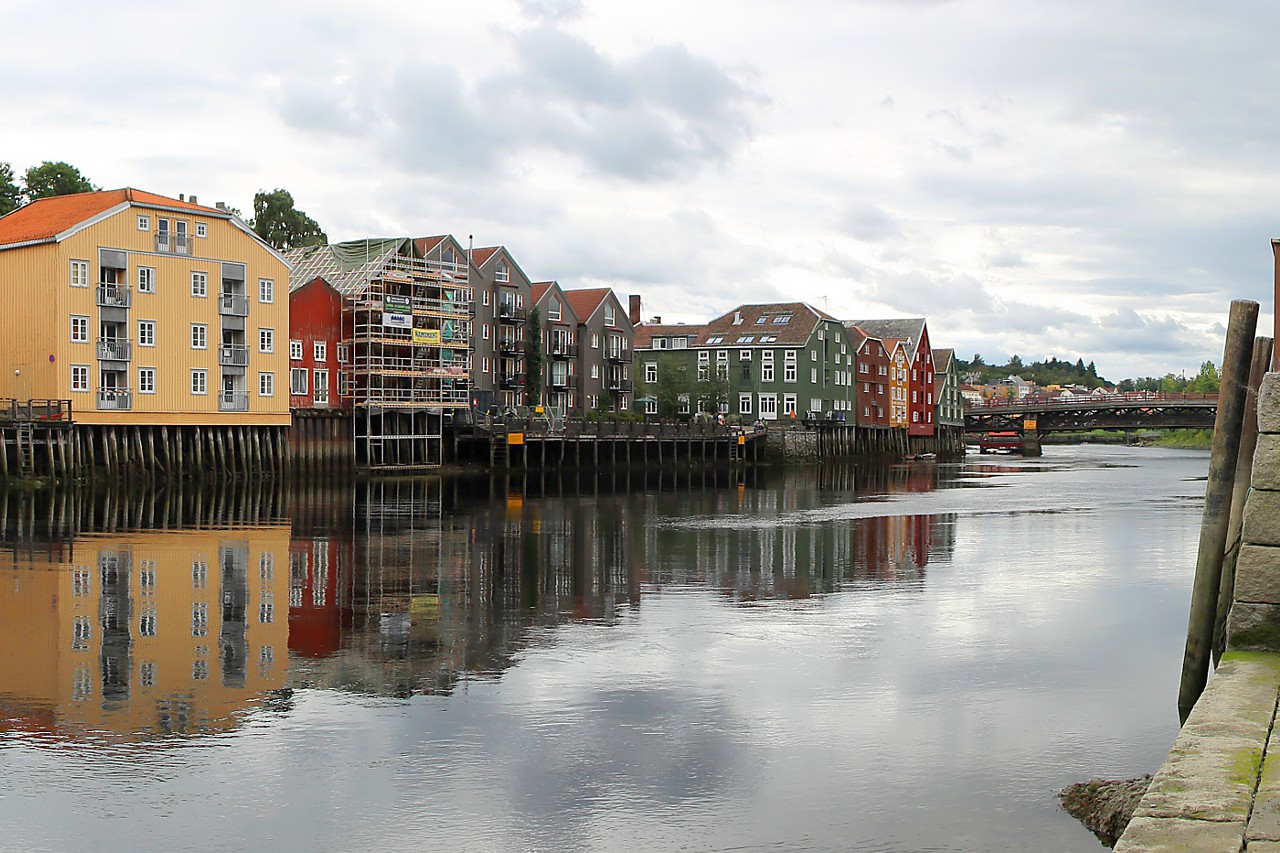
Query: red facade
(871, 375)
(315, 333)
(920, 395)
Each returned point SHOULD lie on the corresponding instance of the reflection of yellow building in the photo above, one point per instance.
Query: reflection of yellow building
(145, 634)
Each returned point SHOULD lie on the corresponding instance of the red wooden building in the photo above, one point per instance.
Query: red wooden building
(914, 332)
(317, 350)
(871, 379)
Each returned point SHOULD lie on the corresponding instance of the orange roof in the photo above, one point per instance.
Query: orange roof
(538, 290)
(46, 218)
(646, 332)
(586, 302)
(481, 256)
(426, 244)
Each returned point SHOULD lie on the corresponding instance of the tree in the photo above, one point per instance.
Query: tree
(1015, 362)
(52, 179)
(1206, 381)
(533, 357)
(10, 195)
(712, 391)
(672, 386)
(977, 360)
(279, 223)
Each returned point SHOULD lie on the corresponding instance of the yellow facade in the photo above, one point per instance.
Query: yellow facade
(898, 369)
(146, 634)
(38, 302)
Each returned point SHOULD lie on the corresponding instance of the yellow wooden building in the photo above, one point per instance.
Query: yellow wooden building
(898, 370)
(143, 310)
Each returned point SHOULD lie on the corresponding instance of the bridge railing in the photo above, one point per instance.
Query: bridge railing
(1041, 402)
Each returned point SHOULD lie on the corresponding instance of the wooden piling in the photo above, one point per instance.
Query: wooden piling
(1223, 457)
(1262, 349)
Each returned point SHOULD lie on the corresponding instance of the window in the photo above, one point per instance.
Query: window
(762, 319)
(782, 320)
(320, 350)
(745, 355)
(199, 284)
(144, 223)
(484, 332)
(715, 339)
(298, 380)
(484, 297)
(79, 377)
(484, 364)
(79, 273)
(344, 353)
(147, 674)
(744, 404)
(650, 372)
(200, 621)
(813, 375)
(199, 336)
(813, 355)
(501, 272)
(146, 333)
(202, 230)
(199, 382)
(295, 350)
(650, 406)
(553, 309)
(79, 329)
(915, 417)
(595, 341)
(608, 314)
(769, 406)
(146, 380)
(266, 340)
(766, 371)
(199, 574)
(146, 279)
(684, 403)
(595, 371)
(788, 404)
(266, 384)
(147, 623)
(320, 385)
(266, 290)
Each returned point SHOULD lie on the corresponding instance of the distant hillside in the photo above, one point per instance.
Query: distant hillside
(1051, 372)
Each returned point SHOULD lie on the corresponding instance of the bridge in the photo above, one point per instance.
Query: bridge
(1138, 410)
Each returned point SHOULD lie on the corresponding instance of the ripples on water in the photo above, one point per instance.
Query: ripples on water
(897, 659)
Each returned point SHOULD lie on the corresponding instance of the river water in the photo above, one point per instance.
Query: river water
(912, 658)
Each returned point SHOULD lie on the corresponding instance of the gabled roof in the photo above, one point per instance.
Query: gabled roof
(911, 330)
(538, 299)
(539, 289)
(480, 257)
(942, 357)
(802, 320)
(585, 303)
(426, 244)
(49, 219)
(349, 266)
(646, 332)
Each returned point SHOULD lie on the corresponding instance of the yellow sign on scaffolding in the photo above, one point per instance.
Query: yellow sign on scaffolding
(426, 336)
(1029, 424)
(515, 438)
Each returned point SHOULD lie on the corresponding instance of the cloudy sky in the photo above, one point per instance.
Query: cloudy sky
(1070, 178)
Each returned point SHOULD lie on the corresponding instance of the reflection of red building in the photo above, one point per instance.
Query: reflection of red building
(316, 350)
(318, 609)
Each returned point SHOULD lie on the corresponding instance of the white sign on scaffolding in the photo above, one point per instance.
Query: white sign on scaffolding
(397, 321)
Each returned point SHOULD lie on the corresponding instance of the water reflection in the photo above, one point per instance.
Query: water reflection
(144, 634)
(131, 616)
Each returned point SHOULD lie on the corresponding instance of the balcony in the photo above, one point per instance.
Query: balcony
(233, 305)
(173, 244)
(618, 355)
(511, 347)
(510, 314)
(562, 350)
(564, 381)
(115, 349)
(115, 399)
(511, 381)
(233, 401)
(114, 296)
(233, 355)
(617, 384)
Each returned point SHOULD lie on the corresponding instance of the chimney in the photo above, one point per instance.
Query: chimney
(634, 308)
(182, 196)
(222, 205)
(737, 318)
(657, 321)
(193, 199)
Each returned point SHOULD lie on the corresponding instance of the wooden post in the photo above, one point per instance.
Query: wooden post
(1217, 502)
(1262, 348)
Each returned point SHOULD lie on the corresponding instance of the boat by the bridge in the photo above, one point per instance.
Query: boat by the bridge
(1000, 442)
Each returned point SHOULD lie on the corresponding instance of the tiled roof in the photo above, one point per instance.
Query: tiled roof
(538, 290)
(46, 218)
(426, 244)
(646, 332)
(942, 359)
(480, 257)
(908, 329)
(586, 302)
(803, 319)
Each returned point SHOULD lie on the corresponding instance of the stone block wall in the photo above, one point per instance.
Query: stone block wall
(1254, 624)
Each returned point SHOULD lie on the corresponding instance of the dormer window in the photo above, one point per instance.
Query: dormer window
(782, 319)
(762, 319)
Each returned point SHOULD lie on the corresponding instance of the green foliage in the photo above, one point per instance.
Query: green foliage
(278, 222)
(712, 391)
(1185, 438)
(54, 179)
(672, 383)
(533, 356)
(1051, 371)
(10, 195)
(1204, 382)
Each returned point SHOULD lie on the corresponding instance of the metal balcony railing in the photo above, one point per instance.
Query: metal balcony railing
(233, 355)
(118, 399)
(115, 349)
(564, 381)
(114, 296)
(233, 305)
(618, 384)
(559, 350)
(618, 355)
(510, 313)
(173, 244)
(233, 401)
(511, 346)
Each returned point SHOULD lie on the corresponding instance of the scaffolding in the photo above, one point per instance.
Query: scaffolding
(408, 323)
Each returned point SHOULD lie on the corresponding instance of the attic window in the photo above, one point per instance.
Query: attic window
(501, 272)
(716, 339)
(762, 319)
(746, 339)
(782, 319)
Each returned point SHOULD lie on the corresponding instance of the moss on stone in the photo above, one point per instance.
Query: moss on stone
(1245, 764)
